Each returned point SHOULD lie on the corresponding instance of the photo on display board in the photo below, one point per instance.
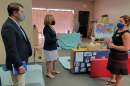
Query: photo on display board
(94, 53)
(89, 69)
(82, 65)
(93, 57)
(82, 69)
(76, 69)
(103, 56)
(88, 64)
(88, 54)
(76, 64)
(87, 59)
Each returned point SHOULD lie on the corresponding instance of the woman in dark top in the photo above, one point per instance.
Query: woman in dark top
(50, 45)
(117, 61)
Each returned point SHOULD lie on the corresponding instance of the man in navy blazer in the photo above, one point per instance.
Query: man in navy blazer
(17, 45)
(0, 82)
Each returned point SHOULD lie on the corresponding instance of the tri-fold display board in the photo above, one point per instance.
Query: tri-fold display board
(81, 59)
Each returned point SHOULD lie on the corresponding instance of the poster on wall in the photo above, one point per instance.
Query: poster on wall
(103, 30)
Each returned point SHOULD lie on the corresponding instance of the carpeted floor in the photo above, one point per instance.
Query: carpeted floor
(68, 79)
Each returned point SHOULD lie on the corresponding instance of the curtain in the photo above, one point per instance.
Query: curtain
(64, 21)
(38, 19)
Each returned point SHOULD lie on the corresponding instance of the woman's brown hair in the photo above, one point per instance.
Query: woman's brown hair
(127, 19)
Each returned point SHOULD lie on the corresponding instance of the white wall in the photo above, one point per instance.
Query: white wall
(27, 24)
(59, 4)
(113, 8)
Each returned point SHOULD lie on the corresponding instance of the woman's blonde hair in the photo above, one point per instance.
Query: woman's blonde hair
(48, 19)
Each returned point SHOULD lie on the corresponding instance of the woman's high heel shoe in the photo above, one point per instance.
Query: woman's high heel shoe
(50, 76)
(53, 72)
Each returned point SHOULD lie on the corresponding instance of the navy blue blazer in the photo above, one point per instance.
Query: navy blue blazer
(0, 82)
(50, 42)
(17, 48)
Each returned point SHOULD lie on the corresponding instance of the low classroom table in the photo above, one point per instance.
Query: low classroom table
(80, 61)
(68, 40)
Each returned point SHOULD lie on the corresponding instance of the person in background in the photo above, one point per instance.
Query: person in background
(117, 61)
(17, 45)
(50, 45)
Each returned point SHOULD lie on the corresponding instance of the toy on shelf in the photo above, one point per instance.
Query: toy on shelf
(104, 19)
(91, 29)
(35, 35)
(90, 32)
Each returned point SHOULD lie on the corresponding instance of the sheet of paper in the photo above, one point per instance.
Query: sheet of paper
(79, 57)
(76, 69)
(94, 53)
(83, 70)
(82, 64)
(88, 54)
(93, 57)
(103, 56)
(88, 64)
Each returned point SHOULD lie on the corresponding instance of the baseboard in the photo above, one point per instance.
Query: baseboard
(30, 63)
(2, 65)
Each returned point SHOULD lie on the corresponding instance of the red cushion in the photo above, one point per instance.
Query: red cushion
(98, 68)
(128, 63)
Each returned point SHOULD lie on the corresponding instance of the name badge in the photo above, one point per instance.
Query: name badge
(117, 35)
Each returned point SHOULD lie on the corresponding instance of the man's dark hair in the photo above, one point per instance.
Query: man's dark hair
(13, 7)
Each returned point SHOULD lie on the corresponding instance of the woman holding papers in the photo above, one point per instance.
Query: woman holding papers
(117, 61)
(50, 45)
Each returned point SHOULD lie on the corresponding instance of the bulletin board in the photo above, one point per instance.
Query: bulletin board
(103, 30)
(82, 60)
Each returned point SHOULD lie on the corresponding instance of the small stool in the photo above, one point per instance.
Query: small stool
(39, 56)
(98, 68)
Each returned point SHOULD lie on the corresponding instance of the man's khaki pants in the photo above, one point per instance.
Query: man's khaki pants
(18, 80)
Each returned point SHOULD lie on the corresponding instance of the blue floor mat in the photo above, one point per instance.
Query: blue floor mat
(33, 77)
(65, 62)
